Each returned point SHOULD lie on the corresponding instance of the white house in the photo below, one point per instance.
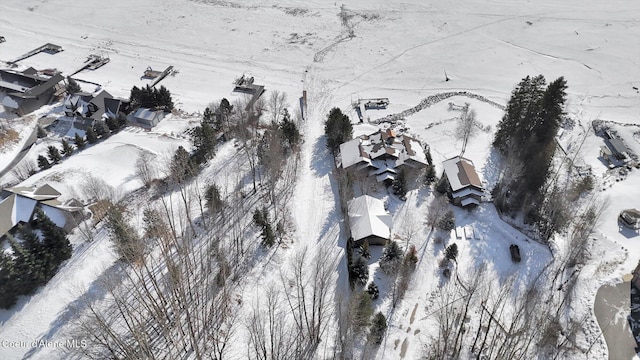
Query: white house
(369, 220)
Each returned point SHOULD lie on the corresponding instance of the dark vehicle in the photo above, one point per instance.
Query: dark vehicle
(515, 253)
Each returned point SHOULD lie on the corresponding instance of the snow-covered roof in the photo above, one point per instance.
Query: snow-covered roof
(461, 173)
(14, 210)
(468, 201)
(21, 202)
(466, 192)
(147, 114)
(350, 153)
(383, 148)
(368, 217)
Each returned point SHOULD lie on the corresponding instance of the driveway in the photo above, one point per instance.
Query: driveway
(612, 309)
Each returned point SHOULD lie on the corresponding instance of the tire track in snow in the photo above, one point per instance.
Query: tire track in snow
(548, 55)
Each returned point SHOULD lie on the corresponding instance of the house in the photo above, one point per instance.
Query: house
(630, 218)
(147, 118)
(617, 147)
(18, 206)
(85, 105)
(369, 221)
(24, 92)
(465, 188)
(382, 154)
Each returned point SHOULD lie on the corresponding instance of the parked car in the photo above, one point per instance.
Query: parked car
(515, 253)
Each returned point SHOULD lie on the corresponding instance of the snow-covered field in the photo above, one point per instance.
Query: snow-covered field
(400, 51)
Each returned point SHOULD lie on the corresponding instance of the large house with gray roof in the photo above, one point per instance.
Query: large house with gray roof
(24, 92)
(382, 154)
(18, 206)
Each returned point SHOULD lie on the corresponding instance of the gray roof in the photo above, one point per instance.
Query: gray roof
(617, 146)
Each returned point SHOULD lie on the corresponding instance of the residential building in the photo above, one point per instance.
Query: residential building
(382, 154)
(147, 118)
(24, 92)
(86, 105)
(465, 188)
(18, 206)
(369, 221)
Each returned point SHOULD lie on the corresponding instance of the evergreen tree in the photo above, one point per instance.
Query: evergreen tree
(214, 199)
(91, 136)
(360, 270)
(67, 149)
(361, 312)
(427, 152)
(204, 142)
(400, 184)
(126, 241)
(391, 257)
(41, 133)
(373, 290)
(112, 124)
(261, 219)
(8, 286)
(43, 163)
(289, 130)
(54, 154)
(430, 175)
(443, 184)
(451, 252)
(447, 222)
(338, 129)
(55, 244)
(208, 117)
(149, 97)
(364, 250)
(182, 166)
(378, 328)
(72, 86)
(102, 129)
(79, 141)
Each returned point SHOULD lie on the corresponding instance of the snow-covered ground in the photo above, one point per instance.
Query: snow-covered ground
(400, 51)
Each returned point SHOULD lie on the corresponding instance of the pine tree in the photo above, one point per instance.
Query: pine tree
(102, 129)
(447, 222)
(43, 163)
(8, 285)
(55, 244)
(373, 290)
(54, 154)
(364, 250)
(400, 184)
(360, 270)
(91, 136)
(72, 86)
(79, 141)
(208, 116)
(67, 149)
(204, 142)
(391, 257)
(182, 166)
(214, 199)
(289, 130)
(451, 252)
(378, 328)
(430, 175)
(41, 133)
(443, 184)
(338, 129)
(128, 244)
(361, 312)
